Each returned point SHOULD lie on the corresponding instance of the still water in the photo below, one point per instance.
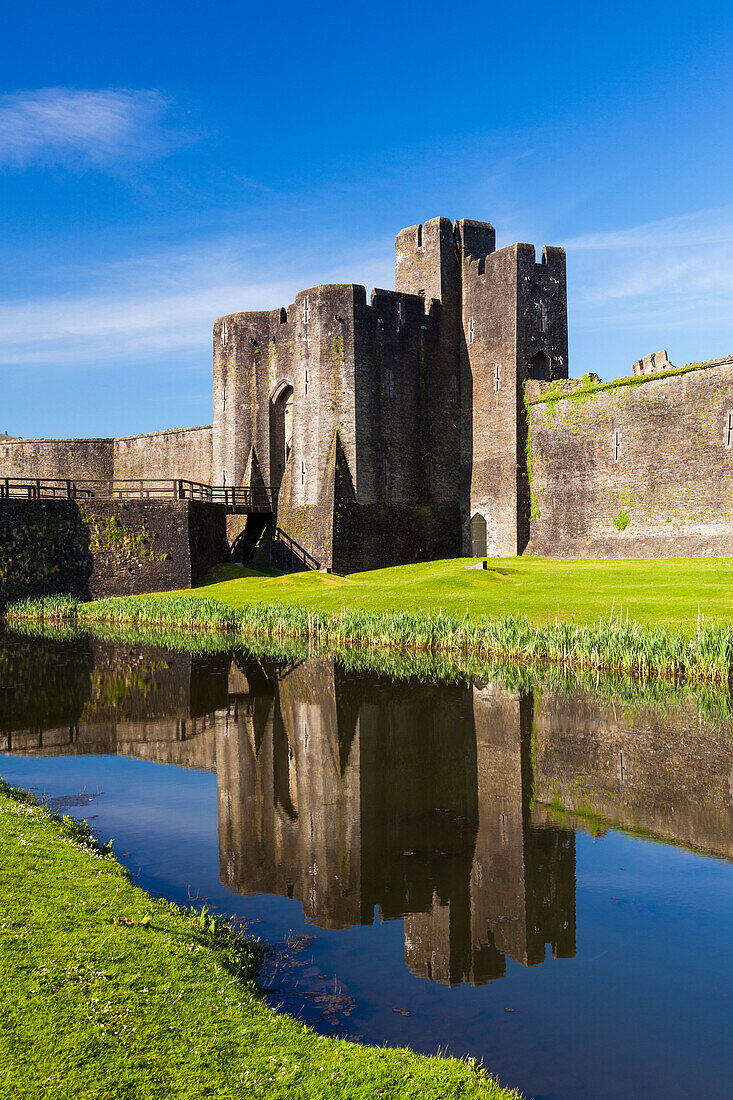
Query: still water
(535, 877)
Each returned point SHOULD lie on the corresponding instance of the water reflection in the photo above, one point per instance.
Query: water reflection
(451, 806)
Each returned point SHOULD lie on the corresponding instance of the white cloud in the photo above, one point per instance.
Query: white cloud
(77, 128)
(164, 303)
(700, 228)
(674, 272)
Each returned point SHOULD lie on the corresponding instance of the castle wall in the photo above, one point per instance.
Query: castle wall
(174, 453)
(368, 481)
(107, 548)
(58, 459)
(659, 453)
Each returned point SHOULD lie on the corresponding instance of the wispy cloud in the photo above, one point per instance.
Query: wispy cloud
(692, 230)
(79, 129)
(163, 304)
(661, 276)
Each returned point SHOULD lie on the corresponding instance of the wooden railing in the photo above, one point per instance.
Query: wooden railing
(235, 498)
(25, 488)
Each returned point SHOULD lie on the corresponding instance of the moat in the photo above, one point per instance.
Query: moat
(536, 876)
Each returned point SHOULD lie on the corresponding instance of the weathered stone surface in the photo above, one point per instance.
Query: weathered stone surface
(175, 453)
(636, 471)
(106, 548)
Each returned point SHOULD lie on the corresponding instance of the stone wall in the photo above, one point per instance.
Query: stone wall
(58, 459)
(514, 328)
(174, 453)
(637, 470)
(107, 548)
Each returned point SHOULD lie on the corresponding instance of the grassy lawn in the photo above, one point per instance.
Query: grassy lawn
(661, 592)
(108, 992)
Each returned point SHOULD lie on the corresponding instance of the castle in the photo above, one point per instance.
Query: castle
(438, 420)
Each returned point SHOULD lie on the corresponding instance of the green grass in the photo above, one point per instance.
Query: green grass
(667, 592)
(110, 993)
(610, 645)
(667, 618)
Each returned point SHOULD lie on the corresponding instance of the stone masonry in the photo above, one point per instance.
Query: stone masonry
(438, 419)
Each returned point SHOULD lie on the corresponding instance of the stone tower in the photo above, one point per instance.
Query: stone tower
(395, 428)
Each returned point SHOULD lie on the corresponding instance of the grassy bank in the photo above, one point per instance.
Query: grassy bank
(669, 593)
(614, 645)
(110, 993)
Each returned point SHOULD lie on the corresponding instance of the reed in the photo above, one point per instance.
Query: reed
(713, 701)
(609, 645)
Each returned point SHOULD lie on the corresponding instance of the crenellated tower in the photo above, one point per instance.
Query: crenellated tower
(395, 427)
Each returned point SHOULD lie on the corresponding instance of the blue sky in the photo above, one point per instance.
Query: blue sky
(162, 164)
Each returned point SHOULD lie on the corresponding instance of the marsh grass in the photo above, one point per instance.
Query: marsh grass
(613, 645)
(712, 700)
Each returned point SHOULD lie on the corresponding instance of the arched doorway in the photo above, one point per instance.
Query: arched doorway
(281, 431)
(478, 536)
(539, 367)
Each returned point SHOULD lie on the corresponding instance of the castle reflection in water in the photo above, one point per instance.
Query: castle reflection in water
(451, 806)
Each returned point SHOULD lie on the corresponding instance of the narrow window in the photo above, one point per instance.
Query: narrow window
(729, 434)
(430, 475)
(306, 382)
(223, 477)
(385, 473)
(302, 473)
(389, 383)
(497, 378)
(471, 331)
(541, 310)
(454, 387)
(419, 236)
(503, 829)
(400, 316)
(653, 362)
(224, 399)
(306, 312)
(224, 335)
(616, 446)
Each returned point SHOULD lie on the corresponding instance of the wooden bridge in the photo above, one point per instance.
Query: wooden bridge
(236, 499)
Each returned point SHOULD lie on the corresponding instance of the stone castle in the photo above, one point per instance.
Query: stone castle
(438, 420)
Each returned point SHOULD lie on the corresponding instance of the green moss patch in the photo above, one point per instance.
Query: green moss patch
(554, 393)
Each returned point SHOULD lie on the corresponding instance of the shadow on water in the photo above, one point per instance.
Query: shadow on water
(451, 806)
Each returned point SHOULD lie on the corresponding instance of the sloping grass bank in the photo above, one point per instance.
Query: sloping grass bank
(612, 645)
(672, 592)
(108, 992)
